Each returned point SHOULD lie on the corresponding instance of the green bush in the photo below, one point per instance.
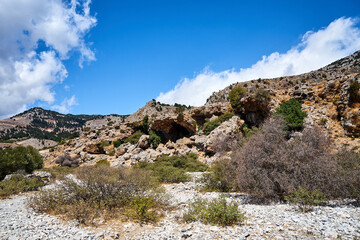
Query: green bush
(19, 158)
(215, 181)
(155, 138)
(305, 199)
(211, 125)
(235, 96)
(145, 124)
(18, 184)
(354, 91)
(292, 113)
(262, 96)
(217, 211)
(102, 162)
(172, 169)
(141, 208)
(134, 138)
(117, 144)
(104, 143)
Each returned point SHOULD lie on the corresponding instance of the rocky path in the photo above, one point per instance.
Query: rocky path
(278, 221)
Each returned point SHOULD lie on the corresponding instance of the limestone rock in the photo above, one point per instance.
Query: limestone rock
(144, 142)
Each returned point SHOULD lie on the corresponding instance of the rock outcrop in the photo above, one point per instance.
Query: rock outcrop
(325, 96)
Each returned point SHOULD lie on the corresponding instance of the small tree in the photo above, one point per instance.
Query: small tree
(235, 96)
(145, 124)
(292, 113)
(354, 91)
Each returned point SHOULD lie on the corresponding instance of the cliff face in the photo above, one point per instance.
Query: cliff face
(328, 95)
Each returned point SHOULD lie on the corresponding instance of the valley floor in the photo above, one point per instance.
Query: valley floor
(279, 221)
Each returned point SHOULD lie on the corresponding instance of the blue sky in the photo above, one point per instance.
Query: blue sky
(144, 48)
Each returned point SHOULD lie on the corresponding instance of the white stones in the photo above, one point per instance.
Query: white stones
(277, 221)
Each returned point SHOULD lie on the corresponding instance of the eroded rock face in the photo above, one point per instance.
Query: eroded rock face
(173, 128)
(255, 111)
(230, 129)
(93, 148)
(199, 114)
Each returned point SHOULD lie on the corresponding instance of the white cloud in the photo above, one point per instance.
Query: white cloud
(66, 105)
(317, 49)
(27, 72)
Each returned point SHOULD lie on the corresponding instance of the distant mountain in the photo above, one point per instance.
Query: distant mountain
(45, 124)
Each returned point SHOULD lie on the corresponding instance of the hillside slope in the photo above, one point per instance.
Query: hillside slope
(330, 97)
(45, 124)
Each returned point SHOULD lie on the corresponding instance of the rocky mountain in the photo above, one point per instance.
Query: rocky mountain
(328, 95)
(44, 124)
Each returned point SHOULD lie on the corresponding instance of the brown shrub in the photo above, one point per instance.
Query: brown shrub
(67, 161)
(270, 167)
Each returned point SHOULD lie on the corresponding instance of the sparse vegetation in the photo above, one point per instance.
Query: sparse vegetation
(304, 199)
(103, 192)
(211, 125)
(105, 143)
(172, 169)
(19, 184)
(217, 211)
(134, 138)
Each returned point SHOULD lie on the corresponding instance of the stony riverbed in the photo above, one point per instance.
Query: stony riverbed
(278, 221)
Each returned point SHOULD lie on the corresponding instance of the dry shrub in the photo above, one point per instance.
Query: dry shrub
(269, 166)
(102, 191)
(350, 172)
(67, 161)
(224, 142)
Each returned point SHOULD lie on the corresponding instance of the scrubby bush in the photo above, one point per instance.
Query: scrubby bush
(145, 124)
(134, 138)
(104, 192)
(349, 162)
(67, 161)
(354, 91)
(58, 172)
(305, 199)
(211, 125)
(217, 211)
(19, 158)
(117, 144)
(17, 184)
(262, 96)
(235, 96)
(155, 138)
(102, 162)
(215, 180)
(104, 143)
(172, 169)
(292, 113)
(269, 166)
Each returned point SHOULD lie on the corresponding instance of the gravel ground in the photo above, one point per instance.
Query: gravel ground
(279, 221)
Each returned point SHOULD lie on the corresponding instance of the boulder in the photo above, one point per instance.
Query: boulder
(144, 142)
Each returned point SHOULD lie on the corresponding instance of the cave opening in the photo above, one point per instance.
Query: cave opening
(176, 132)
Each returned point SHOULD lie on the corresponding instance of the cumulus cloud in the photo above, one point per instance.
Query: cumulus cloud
(65, 105)
(35, 37)
(316, 49)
